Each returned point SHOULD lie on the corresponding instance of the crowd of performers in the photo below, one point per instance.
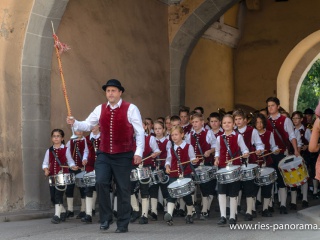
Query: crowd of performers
(183, 144)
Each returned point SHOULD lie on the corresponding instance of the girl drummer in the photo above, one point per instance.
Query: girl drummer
(180, 153)
(267, 138)
(228, 147)
(56, 161)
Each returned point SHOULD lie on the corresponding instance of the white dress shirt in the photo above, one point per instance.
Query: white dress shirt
(255, 138)
(168, 146)
(70, 161)
(85, 151)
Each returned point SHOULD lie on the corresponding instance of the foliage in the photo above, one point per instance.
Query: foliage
(310, 89)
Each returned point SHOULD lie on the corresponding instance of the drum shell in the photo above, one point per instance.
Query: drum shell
(89, 179)
(184, 187)
(205, 174)
(268, 178)
(140, 173)
(62, 179)
(79, 179)
(157, 176)
(250, 172)
(228, 175)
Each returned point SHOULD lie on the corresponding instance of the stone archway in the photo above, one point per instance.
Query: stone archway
(185, 40)
(294, 68)
(35, 94)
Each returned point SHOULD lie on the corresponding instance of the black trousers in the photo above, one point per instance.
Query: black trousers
(56, 196)
(89, 191)
(250, 189)
(117, 166)
(230, 189)
(276, 159)
(70, 188)
(266, 191)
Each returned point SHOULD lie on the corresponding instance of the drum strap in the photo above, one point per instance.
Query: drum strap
(229, 150)
(277, 132)
(94, 145)
(198, 144)
(55, 156)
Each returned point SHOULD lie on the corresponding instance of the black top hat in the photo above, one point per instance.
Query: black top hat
(113, 83)
(308, 111)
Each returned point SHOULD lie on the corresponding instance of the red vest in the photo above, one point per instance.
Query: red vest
(74, 146)
(187, 128)
(247, 136)
(54, 166)
(163, 155)
(265, 138)
(279, 124)
(201, 137)
(184, 157)
(218, 133)
(92, 153)
(116, 131)
(232, 141)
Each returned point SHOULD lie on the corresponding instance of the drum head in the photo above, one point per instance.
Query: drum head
(290, 162)
(249, 166)
(266, 171)
(80, 175)
(179, 182)
(227, 169)
(90, 174)
(203, 169)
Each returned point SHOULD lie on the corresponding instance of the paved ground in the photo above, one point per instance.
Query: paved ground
(74, 229)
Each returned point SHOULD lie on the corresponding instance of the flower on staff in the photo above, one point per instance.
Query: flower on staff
(62, 47)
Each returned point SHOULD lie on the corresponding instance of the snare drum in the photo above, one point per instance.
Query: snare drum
(228, 174)
(79, 179)
(89, 179)
(140, 173)
(61, 179)
(267, 176)
(180, 188)
(158, 176)
(249, 172)
(205, 174)
(293, 170)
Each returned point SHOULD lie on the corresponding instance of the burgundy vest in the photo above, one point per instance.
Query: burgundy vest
(184, 157)
(232, 141)
(247, 135)
(265, 138)
(92, 153)
(80, 145)
(218, 134)
(54, 166)
(201, 137)
(116, 131)
(187, 128)
(163, 155)
(279, 124)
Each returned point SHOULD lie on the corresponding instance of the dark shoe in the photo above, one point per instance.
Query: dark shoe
(70, 214)
(254, 214)
(232, 221)
(134, 216)
(105, 225)
(239, 208)
(115, 214)
(168, 218)
(266, 213)
(283, 210)
(160, 207)
(189, 219)
(87, 219)
(271, 209)
(181, 213)
(204, 216)
(258, 203)
(228, 211)
(81, 215)
(248, 217)
(154, 217)
(293, 206)
(222, 221)
(63, 216)
(305, 204)
(55, 219)
(121, 230)
(93, 213)
(143, 220)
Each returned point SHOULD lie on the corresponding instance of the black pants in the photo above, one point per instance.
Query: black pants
(266, 191)
(119, 166)
(89, 191)
(208, 188)
(276, 159)
(230, 189)
(70, 188)
(154, 190)
(250, 189)
(56, 196)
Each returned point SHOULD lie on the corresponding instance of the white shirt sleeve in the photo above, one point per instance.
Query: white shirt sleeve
(91, 121)
(191, 153)
(242, 145)
(289, 128)
(85, 151)
(70, 161)
(153, 144)
(187, 138)
(217, 150)
(298, 137)
(211, 139)
(256, 140)
(169, 145)
(45, 163)
(134, 117)
(273, 145)
(169, 158)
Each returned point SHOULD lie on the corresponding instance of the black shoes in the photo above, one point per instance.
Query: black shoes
(189, 219)
(81, 215)
(168, 218)
(87, 219)
(248, 217)
(283, 210)
(143, 220)
(63, 216)
(266, 213)
(232, 221)
(293, 206)
(154, 217)
(134, 216)
(222, 221)
(55, 219)
(204, 216)
(271, 209)
(254, 214)
(121, 230)
(70, 214)
(181, 213)
(105, 225)
(305, 204)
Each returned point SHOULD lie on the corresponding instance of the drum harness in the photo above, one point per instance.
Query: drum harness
(58, 161)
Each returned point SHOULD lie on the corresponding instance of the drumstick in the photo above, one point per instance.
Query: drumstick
(183, 164)
(148, 157)
(161, 159)
(266, 155)
(231, 160)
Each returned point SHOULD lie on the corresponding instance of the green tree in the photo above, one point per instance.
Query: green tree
(310, 89)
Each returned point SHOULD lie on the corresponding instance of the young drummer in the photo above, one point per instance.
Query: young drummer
(93, 142)
(55, 161)
(253, 142)
(79, 151)
(229, 145)
(203, 142)
(283, 131)
(178, 164)
(260, 122)
(215, 124)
